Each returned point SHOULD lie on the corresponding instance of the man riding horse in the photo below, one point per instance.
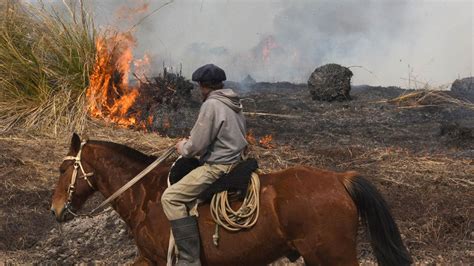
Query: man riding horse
(218, 138)
(305, 211)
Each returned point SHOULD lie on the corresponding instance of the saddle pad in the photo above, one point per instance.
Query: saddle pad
(236, 180)
(181, 167)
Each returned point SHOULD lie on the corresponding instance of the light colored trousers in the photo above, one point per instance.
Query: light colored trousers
(181, 196)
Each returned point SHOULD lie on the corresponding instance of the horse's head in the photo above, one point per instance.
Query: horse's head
(75, 182)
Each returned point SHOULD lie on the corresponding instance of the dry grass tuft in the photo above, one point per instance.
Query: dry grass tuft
(423, 98)
(45, 59)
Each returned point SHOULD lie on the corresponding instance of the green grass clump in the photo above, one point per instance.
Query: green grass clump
(46, 56)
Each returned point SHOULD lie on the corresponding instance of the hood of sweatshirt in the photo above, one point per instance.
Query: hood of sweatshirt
(228, 97)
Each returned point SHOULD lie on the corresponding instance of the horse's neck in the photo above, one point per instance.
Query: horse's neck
(131, 204)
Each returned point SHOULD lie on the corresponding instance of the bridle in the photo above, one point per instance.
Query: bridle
(85, 176)
(78, 165)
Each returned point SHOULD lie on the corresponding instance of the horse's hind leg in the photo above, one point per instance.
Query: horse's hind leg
(327, 240)
(326, 251)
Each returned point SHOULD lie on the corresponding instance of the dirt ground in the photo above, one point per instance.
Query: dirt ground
(420, 157)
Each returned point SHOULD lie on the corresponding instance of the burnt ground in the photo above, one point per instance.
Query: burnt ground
(420, 157)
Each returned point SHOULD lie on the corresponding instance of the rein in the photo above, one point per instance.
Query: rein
(78, 165)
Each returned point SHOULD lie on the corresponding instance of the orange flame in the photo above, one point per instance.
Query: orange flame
(266, 142)
(142, 67)
(109, 96)
(150, 119)
(144, 124)
(268, 46)
(251, 138)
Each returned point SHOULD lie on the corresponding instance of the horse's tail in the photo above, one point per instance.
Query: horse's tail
(373, 210)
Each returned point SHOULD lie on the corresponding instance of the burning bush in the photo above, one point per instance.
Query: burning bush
(163, 97)
(45, 60)
(111, 97)
(56, 71)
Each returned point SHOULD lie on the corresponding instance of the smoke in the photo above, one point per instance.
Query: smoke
(387, 42)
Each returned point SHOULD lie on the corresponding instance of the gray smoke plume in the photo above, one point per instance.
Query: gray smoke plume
(386, 41)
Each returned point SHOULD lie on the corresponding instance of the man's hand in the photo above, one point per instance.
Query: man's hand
(179, 146)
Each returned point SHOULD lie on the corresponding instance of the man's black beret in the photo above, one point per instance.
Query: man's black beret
(209, 73)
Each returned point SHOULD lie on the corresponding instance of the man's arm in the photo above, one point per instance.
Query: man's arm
(203, 133)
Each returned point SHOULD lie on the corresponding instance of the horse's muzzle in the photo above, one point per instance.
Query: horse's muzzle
(61, 215)
(58, 214)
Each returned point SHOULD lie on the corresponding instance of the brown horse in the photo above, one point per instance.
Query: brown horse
(304, 211)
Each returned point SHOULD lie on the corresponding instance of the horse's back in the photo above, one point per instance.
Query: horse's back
(303, 181)
(305, 189)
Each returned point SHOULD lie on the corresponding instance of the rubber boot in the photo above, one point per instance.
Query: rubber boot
(186, 236)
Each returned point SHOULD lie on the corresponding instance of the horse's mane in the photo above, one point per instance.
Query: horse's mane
(127, 151)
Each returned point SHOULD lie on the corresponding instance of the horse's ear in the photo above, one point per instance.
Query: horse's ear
(75, 143)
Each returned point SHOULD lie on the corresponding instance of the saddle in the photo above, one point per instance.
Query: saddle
(237, 180)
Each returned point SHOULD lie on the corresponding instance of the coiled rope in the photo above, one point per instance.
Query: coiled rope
(245, 217)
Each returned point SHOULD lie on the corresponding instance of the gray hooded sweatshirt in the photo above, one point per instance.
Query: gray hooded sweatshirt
(218, 136)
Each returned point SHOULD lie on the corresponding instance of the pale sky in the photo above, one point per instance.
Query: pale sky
(431, 41)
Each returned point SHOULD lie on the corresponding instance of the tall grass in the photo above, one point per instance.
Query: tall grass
(46, 55)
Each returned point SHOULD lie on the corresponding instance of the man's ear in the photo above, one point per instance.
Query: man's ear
(75, 143)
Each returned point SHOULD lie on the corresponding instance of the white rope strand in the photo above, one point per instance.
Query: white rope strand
(235, 220)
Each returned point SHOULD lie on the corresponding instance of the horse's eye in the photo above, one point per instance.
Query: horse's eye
(62, 171)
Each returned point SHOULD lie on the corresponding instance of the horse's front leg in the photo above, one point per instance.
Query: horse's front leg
(142, 261)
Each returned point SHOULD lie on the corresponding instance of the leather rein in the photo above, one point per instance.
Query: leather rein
(85, 176)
